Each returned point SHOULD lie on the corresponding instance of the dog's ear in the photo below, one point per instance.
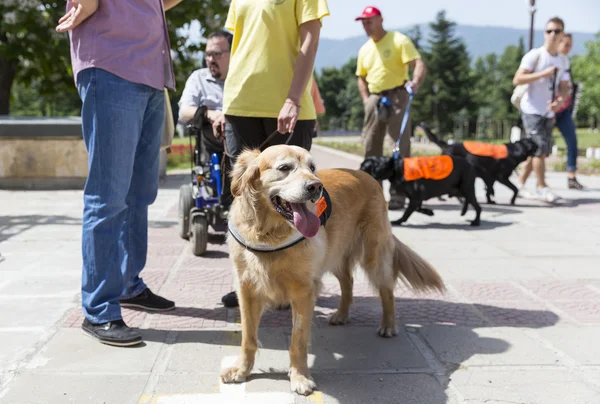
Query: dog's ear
(245, 172)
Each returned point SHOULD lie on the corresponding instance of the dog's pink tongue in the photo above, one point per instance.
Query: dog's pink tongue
(305, 221)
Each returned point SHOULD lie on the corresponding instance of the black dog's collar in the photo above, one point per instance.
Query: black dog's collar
(324, 210)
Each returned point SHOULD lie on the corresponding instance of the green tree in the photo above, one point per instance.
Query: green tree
(33, 53)
(343, 104)
(586, 69)
(448, 73)
(418, 109)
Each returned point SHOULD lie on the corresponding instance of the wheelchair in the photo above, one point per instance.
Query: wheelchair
(200, 201)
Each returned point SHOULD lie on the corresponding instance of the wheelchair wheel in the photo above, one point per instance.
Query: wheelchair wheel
(199, 235)
(186, 203)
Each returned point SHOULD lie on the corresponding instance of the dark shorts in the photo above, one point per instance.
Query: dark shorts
(243, 132)
(539, 128)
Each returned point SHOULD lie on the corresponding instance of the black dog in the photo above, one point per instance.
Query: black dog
(460, 181)
(490, 169)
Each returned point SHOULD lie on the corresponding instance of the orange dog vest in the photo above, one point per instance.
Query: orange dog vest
(495, 151)
(427, 168)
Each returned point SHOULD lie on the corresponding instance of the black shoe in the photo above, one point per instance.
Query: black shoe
(148, 301)
(230, 300)
(574, 184)
(112, 333)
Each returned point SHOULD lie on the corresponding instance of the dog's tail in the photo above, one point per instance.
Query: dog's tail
(433, 137)
(412, 268)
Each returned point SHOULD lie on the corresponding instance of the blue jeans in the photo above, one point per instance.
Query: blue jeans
(564, 123)
(122, 128)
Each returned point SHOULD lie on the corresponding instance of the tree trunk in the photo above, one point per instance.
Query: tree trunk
(8, 70)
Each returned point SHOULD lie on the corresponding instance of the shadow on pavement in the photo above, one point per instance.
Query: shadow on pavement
(351, 364)
(11, 226)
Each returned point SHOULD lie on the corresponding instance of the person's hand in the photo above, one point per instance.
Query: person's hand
(413, 86)
(80, 11)
(556, 105)
(288, 116)
(219, 127)
(548, 72)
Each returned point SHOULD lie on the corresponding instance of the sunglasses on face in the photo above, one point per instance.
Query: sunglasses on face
(556, 31)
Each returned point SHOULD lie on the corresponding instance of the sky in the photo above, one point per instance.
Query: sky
(579, 15)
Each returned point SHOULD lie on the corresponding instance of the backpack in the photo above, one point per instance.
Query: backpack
(521, 89)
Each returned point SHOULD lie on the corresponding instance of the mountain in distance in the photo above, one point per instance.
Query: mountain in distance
(480, 40)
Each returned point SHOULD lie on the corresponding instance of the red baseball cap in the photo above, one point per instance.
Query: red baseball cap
(368, 12)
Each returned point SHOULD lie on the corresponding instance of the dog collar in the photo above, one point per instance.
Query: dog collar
(324, 209)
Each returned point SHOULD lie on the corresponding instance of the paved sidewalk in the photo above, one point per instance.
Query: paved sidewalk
(520, 321)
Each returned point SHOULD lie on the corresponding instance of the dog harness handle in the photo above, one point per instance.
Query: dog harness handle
(396, 150)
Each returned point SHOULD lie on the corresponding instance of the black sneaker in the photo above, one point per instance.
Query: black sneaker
(114, 333)
(148, 301)
(574, 184)
(230, 300)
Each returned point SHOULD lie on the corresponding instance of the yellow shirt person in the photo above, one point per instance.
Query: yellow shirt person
(269, 79)
(382, 69)
(385, 63)
(265, 48)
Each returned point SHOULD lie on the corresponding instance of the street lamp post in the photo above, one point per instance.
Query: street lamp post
(532, 12)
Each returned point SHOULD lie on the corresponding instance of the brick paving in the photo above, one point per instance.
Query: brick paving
(521, 289)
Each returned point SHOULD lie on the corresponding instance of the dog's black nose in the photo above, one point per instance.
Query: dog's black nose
(314, 187)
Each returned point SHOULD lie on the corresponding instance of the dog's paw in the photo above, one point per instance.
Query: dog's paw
(475, 223)
(387, 331)
(302, 385)
(338, 318)
(491, 202)
(425, 211)
(234, 375)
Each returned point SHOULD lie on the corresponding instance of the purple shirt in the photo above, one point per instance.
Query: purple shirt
(128, 38)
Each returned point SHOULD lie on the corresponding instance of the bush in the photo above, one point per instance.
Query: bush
(180, 156)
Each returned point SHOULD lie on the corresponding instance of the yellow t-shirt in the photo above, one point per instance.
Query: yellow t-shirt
(385, 63)
(266, 43)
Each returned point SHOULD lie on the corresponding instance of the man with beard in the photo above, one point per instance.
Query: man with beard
(204, 87)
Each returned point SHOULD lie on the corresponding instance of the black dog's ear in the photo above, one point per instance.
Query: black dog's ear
(368, 165)
(380, 168)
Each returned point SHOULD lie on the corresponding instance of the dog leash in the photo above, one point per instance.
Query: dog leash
(272, 135)
(396, 150)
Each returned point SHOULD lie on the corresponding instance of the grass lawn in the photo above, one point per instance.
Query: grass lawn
(358, 149)
(585, 138)
(180, 157)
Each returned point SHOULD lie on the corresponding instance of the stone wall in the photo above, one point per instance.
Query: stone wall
(45, 153)
(42, 153)
(42, 162)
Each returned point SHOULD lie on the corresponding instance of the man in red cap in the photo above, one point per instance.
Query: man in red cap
(383, 71)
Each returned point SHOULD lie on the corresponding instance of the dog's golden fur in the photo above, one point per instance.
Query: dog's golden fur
(357, 233)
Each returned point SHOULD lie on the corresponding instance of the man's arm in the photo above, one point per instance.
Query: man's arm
(77, 14)
(168, 4)
(523, 76)
(188, 112)
(419, 71)
(363, 88)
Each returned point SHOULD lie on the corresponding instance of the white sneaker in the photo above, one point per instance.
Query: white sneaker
(546, 194)
(523, 193)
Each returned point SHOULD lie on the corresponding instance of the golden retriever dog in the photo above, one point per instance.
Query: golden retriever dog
(276, 197)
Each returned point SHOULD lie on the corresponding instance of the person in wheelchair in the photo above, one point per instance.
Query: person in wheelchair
(204, 87)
